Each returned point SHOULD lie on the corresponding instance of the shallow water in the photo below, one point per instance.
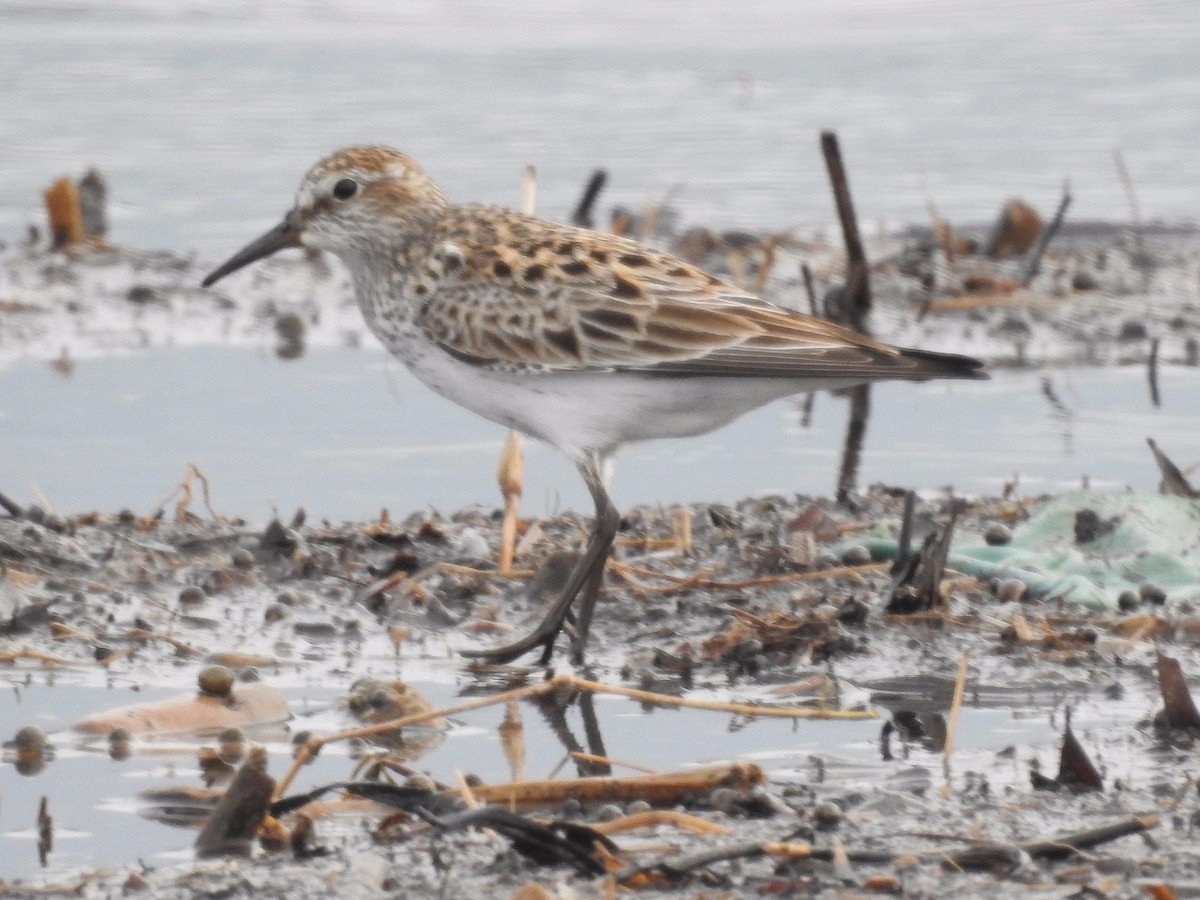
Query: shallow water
(205, 113)
(94, 799)
(345, 433)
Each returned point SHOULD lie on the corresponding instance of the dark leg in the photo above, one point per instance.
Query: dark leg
(583, 620)
(584, 581)
(609, 520)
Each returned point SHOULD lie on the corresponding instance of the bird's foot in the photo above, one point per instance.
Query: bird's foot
(543, 636)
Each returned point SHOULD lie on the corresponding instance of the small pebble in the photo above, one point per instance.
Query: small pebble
(1010, 590)
(1128, 601)
(134, 882)
(232, 736)
(274, 613)
(119, 736)
(638, 806)
(856, 555)
(853, 613)
(243, 559)
(1132, 331)
(277, 538)
(420, 782)
(142, 294)
(747, 648)
(317, 630)
(471, 544)
(216, 681)
(608, 812)
(30, 739)
(724, 799)
(826, 559)
(571, 808)
(997, 534)
(827, 814)
(1152, 593)
(232, 745)
(192, 596)
(290, 327)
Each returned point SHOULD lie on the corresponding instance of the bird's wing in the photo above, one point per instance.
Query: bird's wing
(518, 293)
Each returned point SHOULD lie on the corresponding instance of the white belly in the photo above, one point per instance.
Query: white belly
(599, 411)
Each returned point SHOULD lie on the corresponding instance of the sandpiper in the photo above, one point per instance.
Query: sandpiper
(584, 340)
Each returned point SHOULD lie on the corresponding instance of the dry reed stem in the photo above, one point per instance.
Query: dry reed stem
(653, 818)
(960, 684)
(580, 756)
(660, 790)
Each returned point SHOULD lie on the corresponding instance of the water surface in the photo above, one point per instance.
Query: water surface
(346, 433)
(205, 113)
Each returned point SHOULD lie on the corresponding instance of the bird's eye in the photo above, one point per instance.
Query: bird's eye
(345, 188)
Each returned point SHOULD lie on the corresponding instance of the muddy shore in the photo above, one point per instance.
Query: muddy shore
(780, 601)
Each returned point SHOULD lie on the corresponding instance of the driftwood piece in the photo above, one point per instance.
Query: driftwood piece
(250, 704)
(1179, 709)
(658, 790)
(230, 830)
(1069, 844)
(63, 213)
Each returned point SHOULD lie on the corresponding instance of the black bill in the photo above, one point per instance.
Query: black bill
(285, 234)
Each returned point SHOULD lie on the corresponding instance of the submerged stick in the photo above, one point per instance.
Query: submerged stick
(1152, 374)
(1039, 249)
(856, 309)
(1135, 210)
(810, 290)
(858, 288)
(582, 216)
(856, 432)
(743, 709)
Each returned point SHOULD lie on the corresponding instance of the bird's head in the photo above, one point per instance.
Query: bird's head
(351, 202)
